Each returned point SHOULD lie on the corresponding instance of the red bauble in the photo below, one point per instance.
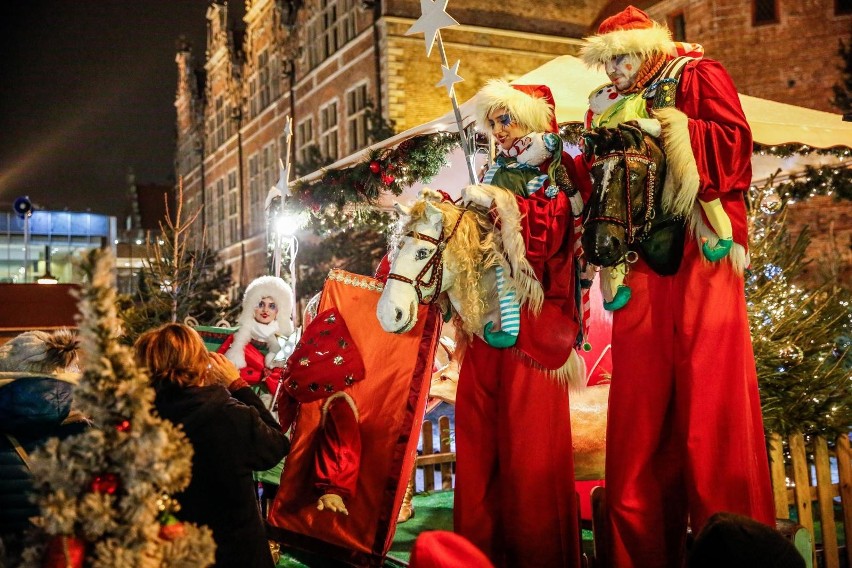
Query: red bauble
(375, 167)
(123, 426)
(173, 531)
(64, 552)
(388, 179)
(105, 483)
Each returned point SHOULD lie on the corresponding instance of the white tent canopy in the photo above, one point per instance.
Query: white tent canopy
(571, 82)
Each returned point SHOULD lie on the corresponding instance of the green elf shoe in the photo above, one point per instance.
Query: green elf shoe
(498, 339)
(622, 296)
(718, 252)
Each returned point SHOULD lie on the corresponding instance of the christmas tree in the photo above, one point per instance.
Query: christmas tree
(801, 336)
(105, 494)
(177, 281)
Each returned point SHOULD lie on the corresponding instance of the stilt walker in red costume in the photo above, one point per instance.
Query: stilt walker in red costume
(685, 435)
(515, 496)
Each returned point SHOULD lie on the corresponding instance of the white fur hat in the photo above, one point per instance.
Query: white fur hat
(262, 287)
(529, 105)
(629, 31)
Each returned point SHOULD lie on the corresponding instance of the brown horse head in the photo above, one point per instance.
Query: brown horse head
(626, 204)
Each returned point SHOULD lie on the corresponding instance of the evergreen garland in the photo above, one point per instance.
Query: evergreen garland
(105, 494)
(347, 197)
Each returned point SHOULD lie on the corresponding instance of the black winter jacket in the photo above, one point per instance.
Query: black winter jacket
(232, 434)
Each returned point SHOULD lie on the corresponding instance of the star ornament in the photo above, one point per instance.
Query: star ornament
(450, 78)
(434, 17)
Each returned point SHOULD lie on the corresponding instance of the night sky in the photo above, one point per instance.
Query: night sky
(87, 92)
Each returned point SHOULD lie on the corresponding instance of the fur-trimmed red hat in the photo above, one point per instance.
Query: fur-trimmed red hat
(325, 360)
(629, 31)
(531, 106)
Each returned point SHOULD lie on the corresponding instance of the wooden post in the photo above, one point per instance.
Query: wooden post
(428, 449)
(825, 495)
(446, 467)
(779, 476)
(844, 470)
(802, 490)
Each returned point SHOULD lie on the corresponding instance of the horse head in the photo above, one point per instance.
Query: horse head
(440, 247)
(626, 203)
(417, 269)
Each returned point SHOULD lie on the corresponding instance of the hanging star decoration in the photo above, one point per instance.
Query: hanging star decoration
(450, 76)
(434, 17)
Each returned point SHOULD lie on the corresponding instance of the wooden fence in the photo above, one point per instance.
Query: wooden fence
(432, 459)
(795, 483)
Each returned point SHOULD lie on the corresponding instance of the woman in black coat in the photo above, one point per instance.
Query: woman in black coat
(231, 432)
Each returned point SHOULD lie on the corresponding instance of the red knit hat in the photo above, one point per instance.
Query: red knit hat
(325, 360)
(629, 31)
(532, 106)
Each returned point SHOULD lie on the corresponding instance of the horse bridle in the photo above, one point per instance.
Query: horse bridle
(650, 190)
(436, 263)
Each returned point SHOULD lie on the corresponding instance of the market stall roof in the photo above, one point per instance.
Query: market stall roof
(569, 79)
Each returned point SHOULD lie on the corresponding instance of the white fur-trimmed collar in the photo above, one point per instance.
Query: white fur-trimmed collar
(530, 149)
(262, 331)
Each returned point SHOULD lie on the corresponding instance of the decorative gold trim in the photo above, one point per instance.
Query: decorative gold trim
(356, 280)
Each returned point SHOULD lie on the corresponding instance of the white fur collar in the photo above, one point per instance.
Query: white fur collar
(262, 331)
(531, 149)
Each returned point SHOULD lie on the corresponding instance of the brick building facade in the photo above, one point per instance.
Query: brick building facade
(322, 62)
(783, 51)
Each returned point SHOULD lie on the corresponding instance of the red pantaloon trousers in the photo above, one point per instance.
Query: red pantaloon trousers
(684, 434)
(514, 497)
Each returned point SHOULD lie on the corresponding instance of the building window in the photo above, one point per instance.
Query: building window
(220, 121)
(328, 130)
(304, 138)
(764, 12)
(677, 24)
(331, 27)
(220, 213)
(233, 207)
(356, 117)
(210, 214)
(842, 7)
(254, 185)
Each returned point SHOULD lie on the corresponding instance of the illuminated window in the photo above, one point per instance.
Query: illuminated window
(304, 138)
(328, 130)
(254, 185)
(332, 26)
(233, 207)
(356, 117)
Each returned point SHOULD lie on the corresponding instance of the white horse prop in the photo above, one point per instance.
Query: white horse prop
(442, 247)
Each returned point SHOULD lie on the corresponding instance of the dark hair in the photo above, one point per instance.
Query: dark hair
(173, 353)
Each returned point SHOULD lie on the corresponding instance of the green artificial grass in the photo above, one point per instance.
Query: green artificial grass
(433, 511)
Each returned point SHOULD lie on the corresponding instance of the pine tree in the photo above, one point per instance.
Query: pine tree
(105, 494)
(801, 336)
(177, 282)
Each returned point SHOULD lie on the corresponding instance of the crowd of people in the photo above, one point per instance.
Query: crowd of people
(684, 443)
